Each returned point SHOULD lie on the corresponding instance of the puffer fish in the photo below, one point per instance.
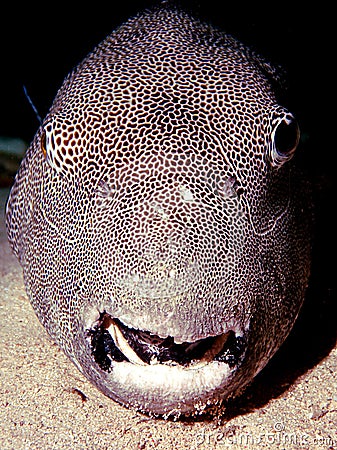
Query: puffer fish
(160, 218)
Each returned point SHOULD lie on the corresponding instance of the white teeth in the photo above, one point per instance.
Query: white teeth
(216, 347)
(212, 352)
(123, 345)
(132, 356)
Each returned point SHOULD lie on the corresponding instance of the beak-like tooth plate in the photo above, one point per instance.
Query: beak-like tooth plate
(123, 345)
(210, 354)
(132, 356)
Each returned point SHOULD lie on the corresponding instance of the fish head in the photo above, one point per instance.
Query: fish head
(168, 249)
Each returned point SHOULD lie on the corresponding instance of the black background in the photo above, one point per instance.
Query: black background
(41, 44)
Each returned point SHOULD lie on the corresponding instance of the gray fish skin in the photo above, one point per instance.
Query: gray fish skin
(159, 216)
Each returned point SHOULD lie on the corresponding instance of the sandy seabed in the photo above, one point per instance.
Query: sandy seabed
(47, 404)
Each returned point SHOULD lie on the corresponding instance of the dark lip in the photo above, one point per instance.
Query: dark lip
(154, 349)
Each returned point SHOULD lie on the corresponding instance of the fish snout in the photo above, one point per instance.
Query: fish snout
(166, 255)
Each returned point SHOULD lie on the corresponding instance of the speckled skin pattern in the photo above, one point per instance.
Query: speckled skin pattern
(160, 190)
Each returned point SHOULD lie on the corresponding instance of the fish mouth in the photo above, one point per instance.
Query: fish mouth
(113, 342)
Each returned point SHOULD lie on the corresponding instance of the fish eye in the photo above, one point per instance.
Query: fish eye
(43, 143)
(287, 135)
(285, 139)
(55, 152)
